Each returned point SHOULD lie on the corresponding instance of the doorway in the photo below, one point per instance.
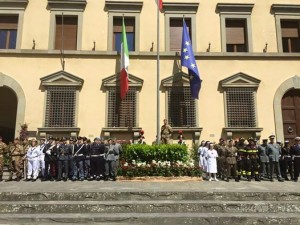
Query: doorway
(290, 106)
(8, 113)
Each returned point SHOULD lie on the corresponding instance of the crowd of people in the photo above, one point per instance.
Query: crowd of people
(246, 161)
(61, 159)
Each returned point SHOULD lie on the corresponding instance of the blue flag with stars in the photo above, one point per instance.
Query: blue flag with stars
(188, 61)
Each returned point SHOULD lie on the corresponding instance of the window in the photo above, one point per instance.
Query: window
(176, 25)
(174, 14)
(60, 106)
(181, 107)
(290, 35)
(236, 35)
(122, 113)
(117, 33)
(8, 31)
(66, 32)
(240, 107)
(236, 31)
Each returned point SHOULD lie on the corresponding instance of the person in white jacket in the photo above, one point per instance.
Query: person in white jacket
(211, 156)
(32, 156)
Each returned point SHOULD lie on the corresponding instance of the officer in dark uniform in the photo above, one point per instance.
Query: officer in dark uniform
(241, 159)
(286, 163)
(71, 146)
(87, 161)
(63, 151)
(78, 160)
(221, 160)
(295, 151)
(48, 159)
(264, 160)
(97, 160)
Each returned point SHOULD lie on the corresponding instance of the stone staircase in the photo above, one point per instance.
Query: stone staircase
(126, 207)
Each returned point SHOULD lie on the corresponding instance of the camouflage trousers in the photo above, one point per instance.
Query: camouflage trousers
(15, 167)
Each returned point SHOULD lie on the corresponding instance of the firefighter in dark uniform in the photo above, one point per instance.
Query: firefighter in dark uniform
(295, 151)
(231, 154)
(252, 166)
(241, 158)
(286, 163)
(221, 160)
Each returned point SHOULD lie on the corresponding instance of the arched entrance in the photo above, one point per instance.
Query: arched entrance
(8, 113)
(12, 107)
(290, 105)
(287, 88)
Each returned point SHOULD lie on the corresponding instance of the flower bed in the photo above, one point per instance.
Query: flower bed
(159, 168)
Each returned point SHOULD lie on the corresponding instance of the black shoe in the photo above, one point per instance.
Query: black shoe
(81, 179)
(287, 179)
(114, 179)
(1, 179)
(272, 180)
(9, 179)
(98, 178)
(58, 179)
(33, 180)
(18, 179)
(27, 179)
(52, 179)
(106, 179)
(281, 180)
(74, 179)
(296, 180)
(44, 179)
(65, 179)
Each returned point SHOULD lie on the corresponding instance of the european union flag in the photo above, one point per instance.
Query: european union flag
(188, 60)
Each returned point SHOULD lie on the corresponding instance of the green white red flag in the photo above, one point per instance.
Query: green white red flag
(124, 63)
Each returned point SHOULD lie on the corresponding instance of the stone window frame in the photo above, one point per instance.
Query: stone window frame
(182, 79)
(15, 7)
(180, 10)
(235, 11)
(112, 81)
(240, 80)
(68, 8)
(126, 9)
(60, 78)
(284, 12)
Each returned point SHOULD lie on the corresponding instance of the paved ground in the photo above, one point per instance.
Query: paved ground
(131, 186)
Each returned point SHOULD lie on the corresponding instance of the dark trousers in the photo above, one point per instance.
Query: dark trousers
(71, 164)
(231, 170)
(296, 167)
(78, 171)
(97, 166)
(254, 166)
(240, 164)
(286, 165)
(248, 166)
(87, 167)
(53, 168)
(63, 164)
(274, 165)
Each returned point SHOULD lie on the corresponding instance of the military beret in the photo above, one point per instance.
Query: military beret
(297, 138)
(84, 138)
(250, 139)
(264, 140)
(71, 139)
(63, 139)
(50, 138)
(272, 136)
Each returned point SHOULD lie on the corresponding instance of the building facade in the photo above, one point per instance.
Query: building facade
(59, 68)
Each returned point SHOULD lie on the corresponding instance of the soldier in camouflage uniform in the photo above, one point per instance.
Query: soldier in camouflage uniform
(166, 133)
(3, 147)
(221, 160)
(16, 152)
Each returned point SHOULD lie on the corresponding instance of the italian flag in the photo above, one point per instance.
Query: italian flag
(124, 63)
(160, 4)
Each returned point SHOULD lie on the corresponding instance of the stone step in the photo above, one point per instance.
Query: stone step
(147, 195)
(165, 206)
(152, 218)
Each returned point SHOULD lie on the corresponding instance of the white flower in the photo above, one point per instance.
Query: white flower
(133, 162)
(126, 164)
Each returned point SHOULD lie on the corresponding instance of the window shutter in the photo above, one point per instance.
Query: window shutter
(69, 27)
(290, 29)
(9, 22)
(176, 32)
(235, 32)
(129, 24)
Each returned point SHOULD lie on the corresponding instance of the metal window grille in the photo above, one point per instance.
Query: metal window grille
(60, 107)
(181, 107)
(240, 107)
(121, 113)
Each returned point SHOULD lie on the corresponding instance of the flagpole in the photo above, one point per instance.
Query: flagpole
(157, 81)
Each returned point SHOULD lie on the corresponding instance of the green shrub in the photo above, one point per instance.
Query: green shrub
(147, 153)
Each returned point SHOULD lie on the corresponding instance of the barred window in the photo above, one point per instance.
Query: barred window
(121, 113)
(181, 107)
(240, 107)
(60, 106)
